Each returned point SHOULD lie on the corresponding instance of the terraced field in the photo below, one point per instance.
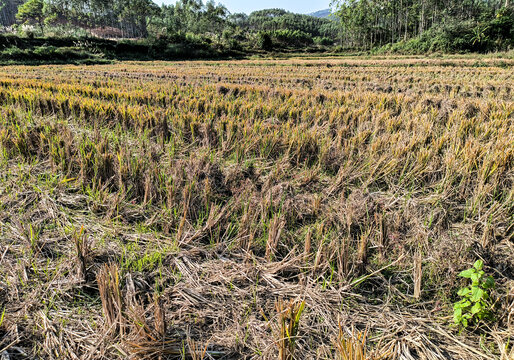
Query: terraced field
(191, 209)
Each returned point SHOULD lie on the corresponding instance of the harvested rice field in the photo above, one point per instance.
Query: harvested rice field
(258, 209)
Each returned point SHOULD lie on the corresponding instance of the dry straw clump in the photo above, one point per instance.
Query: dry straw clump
(354, 347)
(288, 327)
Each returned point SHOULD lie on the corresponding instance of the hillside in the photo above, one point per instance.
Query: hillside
(321, 13)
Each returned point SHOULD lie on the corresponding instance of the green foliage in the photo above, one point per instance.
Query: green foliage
(501, 28)
(279, 19)
(181, 23)
(264, 41)
(32, 13)
(49, 53)
(2, 317)
(324, 41)
(413, 27)
(191, 17)
(460, 36)
(475, 304)
(426, 26)
(264, 29)
(288, 37)
(14, 49)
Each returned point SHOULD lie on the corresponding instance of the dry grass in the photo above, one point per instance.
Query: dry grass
(161, 210)
(288, 327)
(353, 347)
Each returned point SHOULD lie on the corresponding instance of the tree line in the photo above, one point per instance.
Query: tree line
(404, 25)
(209, 21)
(441, 24)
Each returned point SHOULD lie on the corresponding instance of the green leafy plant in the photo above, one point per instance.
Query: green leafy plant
(2, 317)
(475, 304)
(479, 34)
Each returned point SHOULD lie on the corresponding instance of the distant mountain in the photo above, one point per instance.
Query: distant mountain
(321, 14)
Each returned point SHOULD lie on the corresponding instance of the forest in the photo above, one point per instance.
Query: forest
(409, 26)
(427, 25)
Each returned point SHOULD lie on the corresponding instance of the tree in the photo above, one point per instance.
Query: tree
(238, 19)
(264, 41)
(368, 23)
(135, 14)
(8, 10)
(32, 12)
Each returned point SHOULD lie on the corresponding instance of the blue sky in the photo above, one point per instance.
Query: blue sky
(298, 6)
